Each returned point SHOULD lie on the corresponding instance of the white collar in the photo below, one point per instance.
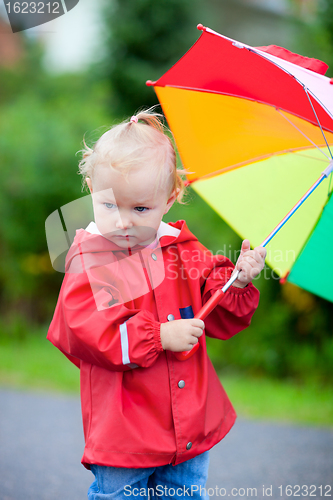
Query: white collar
(93, 229)
(166, 230)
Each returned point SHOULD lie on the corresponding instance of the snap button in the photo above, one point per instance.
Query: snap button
(170, 317)
(154, 256)
(189, 446)
(181, 384)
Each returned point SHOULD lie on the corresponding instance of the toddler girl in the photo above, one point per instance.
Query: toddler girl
(132, 287)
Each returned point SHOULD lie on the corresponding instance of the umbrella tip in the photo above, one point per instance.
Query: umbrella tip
(149, 83)
(284, 278)
(201, 27)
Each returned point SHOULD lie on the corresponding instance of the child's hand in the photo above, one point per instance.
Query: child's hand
(251, 263)
(181, 334)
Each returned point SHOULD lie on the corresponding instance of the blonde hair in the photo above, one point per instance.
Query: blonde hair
(140, 141)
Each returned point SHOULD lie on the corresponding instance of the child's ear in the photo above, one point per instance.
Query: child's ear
(89, 184)
(171, 200)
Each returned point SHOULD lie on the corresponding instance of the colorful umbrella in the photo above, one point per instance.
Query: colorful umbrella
(254, 126)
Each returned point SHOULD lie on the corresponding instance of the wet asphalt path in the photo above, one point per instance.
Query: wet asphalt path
(41, 444)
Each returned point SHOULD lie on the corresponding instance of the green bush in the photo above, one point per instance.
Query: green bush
(41, 129)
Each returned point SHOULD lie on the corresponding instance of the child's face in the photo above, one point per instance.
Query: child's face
(128, 210)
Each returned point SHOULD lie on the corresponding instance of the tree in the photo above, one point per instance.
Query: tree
(144, 37)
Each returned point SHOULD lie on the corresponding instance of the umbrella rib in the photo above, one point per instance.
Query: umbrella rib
(314, 111)
(304, 135)
(250, 161)
(294, 209)
(310, 156)
(247, 98)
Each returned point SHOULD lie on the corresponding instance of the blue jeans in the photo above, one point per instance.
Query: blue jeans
(185, 480)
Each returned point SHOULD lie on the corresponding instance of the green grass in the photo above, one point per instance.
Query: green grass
(280, 401)
(34, 364)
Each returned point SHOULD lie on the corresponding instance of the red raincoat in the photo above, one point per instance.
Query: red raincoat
(142, 407)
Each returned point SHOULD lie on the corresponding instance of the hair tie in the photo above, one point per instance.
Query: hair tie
(134, 119)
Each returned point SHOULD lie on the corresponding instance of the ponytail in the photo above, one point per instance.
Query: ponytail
(142, 138)
(155, 120)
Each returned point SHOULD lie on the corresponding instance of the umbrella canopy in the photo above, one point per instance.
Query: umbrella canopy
(254, 127)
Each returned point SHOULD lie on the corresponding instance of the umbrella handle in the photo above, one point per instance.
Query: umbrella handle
(203, 313)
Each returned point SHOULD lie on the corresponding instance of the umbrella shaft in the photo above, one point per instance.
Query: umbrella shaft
(323, 176)
(215, 299)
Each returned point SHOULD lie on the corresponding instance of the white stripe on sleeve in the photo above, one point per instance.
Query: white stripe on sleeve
(125, 346)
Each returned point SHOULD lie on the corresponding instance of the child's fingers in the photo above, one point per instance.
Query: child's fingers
(244, 249)
(250, 268)
(180, 335)
(253, 257)
(193, 340)
(245, 261)
(256, 257)
(197, 327)
(246, 270)
(197, 322)
(245, 246)
(261, 251)
(250, 263)
(253, 263)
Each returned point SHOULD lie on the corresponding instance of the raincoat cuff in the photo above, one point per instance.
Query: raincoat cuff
(156, 327)
(241, 291)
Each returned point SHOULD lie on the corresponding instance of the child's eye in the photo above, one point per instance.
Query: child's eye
(110, 205)
(141, 209)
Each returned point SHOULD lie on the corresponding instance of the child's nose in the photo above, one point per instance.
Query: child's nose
(123, 221)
